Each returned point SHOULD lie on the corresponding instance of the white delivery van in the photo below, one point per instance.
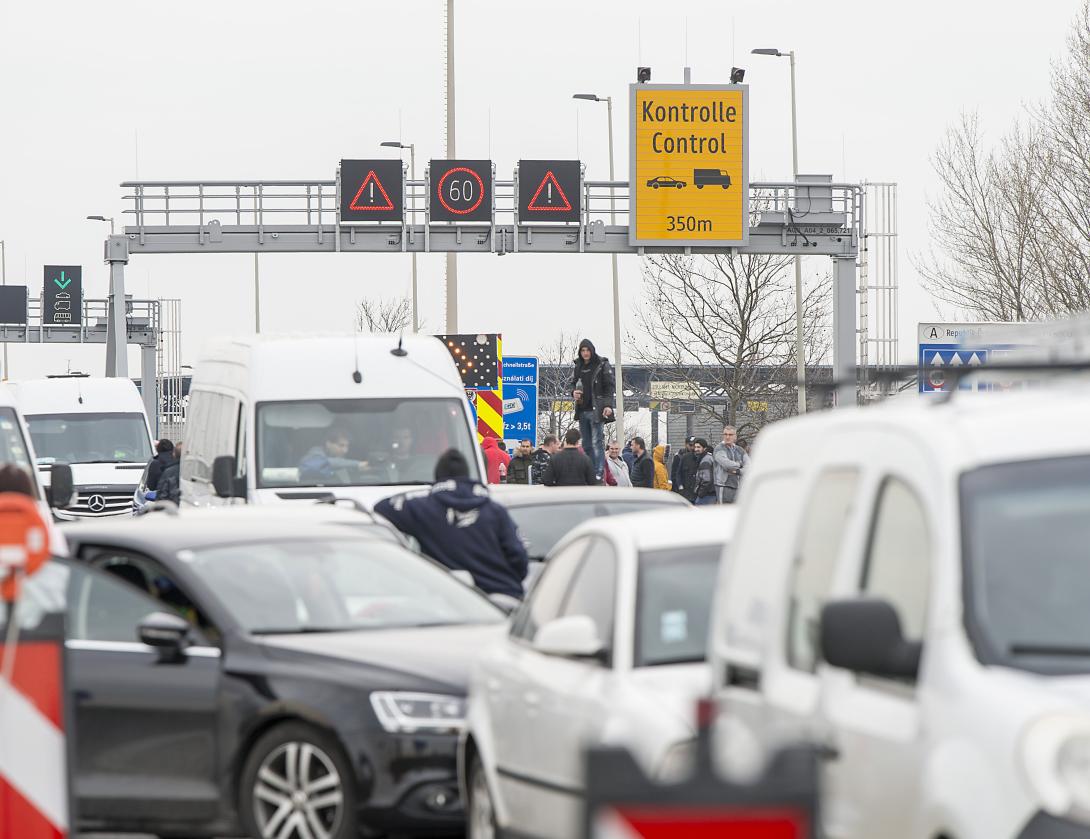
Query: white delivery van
(275, 419)
(97, 425)
(907, 587)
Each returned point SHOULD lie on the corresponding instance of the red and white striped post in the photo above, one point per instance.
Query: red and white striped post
(34, 787)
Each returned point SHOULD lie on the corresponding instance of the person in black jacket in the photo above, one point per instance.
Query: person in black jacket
(592, 386)
(570, 467)
(675, 465)
(458, 524)
(169, 487)
(643, 468)
(686, 471)
(518, 470)
(163, 458)
(549, 446)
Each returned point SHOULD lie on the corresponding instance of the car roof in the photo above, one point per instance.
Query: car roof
(658, 529)
(519, 495)
(964, 432)
(194, 529)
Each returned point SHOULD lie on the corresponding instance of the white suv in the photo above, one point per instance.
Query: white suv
(909, 586)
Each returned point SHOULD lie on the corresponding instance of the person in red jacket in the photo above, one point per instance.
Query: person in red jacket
(496, 458)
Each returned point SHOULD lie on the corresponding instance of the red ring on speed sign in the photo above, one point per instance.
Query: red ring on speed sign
(936, 379)
(480, 190)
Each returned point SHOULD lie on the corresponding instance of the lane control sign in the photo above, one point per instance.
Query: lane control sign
(372, 190)
(689, 165)
(549, 190)
(460, 190)
(62, 295)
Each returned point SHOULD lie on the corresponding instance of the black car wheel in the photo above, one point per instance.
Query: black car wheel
(654, 186)
(679, 186)
(480, 811)
(297, 785)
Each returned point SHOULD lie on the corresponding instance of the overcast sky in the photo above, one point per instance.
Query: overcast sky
(95, 93)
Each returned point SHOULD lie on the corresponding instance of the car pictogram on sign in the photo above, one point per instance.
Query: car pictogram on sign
(666, 181)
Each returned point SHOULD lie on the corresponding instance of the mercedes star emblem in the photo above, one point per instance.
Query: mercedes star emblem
(96, 503)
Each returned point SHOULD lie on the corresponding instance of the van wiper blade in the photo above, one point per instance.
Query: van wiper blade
(75, 462)
(298, 630)
(1049, 649)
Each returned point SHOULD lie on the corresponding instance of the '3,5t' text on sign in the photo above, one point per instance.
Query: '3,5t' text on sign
(689, 165)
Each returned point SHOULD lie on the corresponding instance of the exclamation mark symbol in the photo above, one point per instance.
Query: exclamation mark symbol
(550, 199)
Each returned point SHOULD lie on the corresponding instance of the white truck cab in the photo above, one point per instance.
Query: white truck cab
(282, 419)
(907, 587)
(98, 425)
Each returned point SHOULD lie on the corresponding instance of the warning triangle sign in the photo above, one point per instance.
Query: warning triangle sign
(549, 196)
(370, 190)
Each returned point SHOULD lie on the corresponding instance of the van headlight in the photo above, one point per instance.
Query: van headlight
(409, 713)
(1056, 760)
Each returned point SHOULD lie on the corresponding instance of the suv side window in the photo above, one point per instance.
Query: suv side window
(898, 563)
(547, 596)
(824, 524)
(594, 590)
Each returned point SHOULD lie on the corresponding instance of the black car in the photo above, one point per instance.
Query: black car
(243, 673)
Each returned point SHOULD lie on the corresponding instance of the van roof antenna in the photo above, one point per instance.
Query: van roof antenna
(357, 376)
(398, 351)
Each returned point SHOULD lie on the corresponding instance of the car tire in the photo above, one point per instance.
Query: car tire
(681, 186)
(296, 772)
(654, 186)
(480, 809)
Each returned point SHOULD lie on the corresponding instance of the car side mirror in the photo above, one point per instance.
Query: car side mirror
(168, 633)
(572, 636)
(62, 486)
(864, 635)
(224, 481)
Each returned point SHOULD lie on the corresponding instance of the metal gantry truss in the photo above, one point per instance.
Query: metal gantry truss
(811, 217)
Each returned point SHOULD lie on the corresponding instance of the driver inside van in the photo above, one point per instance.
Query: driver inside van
(327, 464)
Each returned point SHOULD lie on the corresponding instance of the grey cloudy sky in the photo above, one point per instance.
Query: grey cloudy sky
(279, 90)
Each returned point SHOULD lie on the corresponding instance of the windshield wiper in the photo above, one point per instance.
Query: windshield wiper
(298, 630)
(74, 462)
(1049, 649)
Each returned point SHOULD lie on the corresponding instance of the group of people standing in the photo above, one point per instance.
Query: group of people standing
(701, 473)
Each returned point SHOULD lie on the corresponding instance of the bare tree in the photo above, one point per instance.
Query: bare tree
(1012, 223)
(555, 372)
(724, 324)
(384, 315)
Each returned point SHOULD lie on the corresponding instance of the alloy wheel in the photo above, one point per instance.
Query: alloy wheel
(298, 793)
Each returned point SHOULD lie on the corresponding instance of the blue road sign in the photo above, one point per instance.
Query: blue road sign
(519, 399)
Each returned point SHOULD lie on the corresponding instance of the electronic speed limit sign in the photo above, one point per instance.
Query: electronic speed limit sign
(460, 190)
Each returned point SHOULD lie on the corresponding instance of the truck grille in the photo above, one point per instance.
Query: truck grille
(93, 504)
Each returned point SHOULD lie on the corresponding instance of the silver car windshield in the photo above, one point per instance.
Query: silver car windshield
(327, 586)
(358, 442)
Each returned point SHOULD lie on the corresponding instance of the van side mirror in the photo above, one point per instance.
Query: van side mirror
(62, 486)
(864, 635)
(224, 480)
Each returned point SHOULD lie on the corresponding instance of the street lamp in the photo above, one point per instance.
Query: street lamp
(397, 144)
(799, 350)
(618, 397)
(103, 218)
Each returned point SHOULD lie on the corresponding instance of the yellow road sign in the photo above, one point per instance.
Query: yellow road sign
(689, 165)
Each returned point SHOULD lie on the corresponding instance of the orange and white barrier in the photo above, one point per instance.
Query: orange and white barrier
(34, 797)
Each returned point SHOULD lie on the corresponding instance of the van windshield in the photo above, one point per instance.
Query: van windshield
(1026, 537)
(358, 442)
(90, 438)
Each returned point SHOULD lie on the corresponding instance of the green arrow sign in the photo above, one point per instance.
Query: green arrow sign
(62, 283)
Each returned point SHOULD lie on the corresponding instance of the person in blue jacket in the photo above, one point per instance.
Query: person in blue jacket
(458, 524)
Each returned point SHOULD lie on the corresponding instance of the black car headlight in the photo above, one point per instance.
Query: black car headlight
(409, 713)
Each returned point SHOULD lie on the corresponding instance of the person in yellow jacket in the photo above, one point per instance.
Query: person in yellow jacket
(662, 477)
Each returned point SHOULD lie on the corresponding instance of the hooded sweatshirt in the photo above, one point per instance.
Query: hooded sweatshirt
(494, 456)
(458, 524)
(594, 378)
(662, 478)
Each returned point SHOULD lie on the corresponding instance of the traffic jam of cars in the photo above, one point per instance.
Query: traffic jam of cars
(315, 617)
